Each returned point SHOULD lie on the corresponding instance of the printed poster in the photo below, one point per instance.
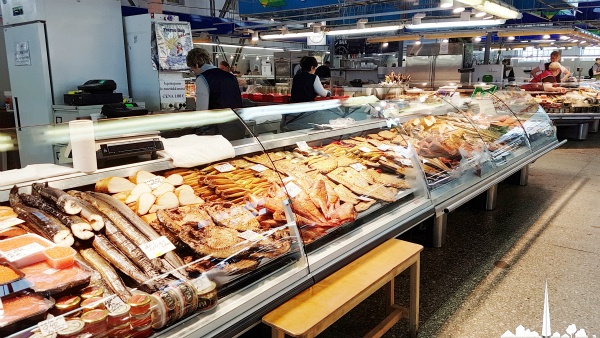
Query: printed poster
(173, 42)
(22, 55)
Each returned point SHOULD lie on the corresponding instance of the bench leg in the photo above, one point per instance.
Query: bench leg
(413, 316)
(388, 290)
(275, 333)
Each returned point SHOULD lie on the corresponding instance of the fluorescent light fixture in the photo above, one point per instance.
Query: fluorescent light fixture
(488, 17)
(511, 38)
(574, 40)
(418, 42)
(456, 24)
(499, 10)
(377, 29)
(445, 41)
(458, 10)
(480, 14)
(564, 37)
(385, 44)
(477, 39)
(252, 113)
(288, 35)
(546, 36)
(446, 3)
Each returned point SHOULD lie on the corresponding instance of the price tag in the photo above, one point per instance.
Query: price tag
(201, 283)
(258, 168)
(287, 179)
(365, 149)
(406, 162)
(50, 271)
(384, 147)
(157, 247)
(24, 251)
(262, 211)
(365, 198)
(250, 235)
(357, 166)
(292, 189)
(114, 304)
(224, 167)
(53, 325)
(155, 181)
(10, 222)
(303, 146)
(402, 151)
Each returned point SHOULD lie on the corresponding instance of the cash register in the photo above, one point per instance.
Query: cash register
(94, 92)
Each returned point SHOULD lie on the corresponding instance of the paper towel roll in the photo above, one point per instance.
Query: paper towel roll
(83, 145)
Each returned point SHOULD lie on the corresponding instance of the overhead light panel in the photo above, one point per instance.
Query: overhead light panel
(288, 35)
(385, 44)
(510, 38)
(499, 10)
(458, 10)
(366, 30)
(546, 36)
(446, 3)
(456, 24)
(477, 39)
(479, 14)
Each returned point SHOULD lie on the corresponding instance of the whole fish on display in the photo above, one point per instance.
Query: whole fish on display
(80, 228)
(63, 201)
(109, 275)
(46, 225)
(173, 259)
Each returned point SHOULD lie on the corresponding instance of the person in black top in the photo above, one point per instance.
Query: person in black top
(216, 89)
(306, 86)
(323, 71)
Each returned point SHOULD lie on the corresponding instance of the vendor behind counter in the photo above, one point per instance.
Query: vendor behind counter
(547, 79)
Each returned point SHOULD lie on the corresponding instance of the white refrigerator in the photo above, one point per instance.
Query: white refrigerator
(52, 46)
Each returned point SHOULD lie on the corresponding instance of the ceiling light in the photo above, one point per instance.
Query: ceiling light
(418, 42)
(574, 40)
(488, 17)
(446, 3)
(288, 35)
(499, 10)
(511, 38)
(480, 14)
(385, 44)
(582, 42)
(376, 29)
(477, 39)
(564, 37)
(546, 36)
(445, 41)
(456, 24)
(458, 10)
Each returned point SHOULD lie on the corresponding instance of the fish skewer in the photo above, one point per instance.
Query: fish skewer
(63, 201)
(107, 250)
(173, 259)
(80, 228)
(109, 275)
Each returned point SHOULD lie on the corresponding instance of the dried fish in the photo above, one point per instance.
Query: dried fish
(109, 275)
(63, 201)
(93, 216)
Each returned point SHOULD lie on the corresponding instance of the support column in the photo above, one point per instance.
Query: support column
(400, 52)
(524, 175)
(488, 47)
(439, 230)
(491, 197)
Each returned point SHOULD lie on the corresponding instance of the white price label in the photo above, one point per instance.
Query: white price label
(10, 222)
(384, 147)
(406, 162)
(157, 247)
(365, 149)
(292, 189)
(24, 251)
(53, 325)
(114, 304)
(201, 283)
(287, 179)
(224, 167)
(50, 271)
(402, 151)
(303, 146)
(258, 168)
(155, 181)
(262, 211)
(365, 198)
(250, 235)
(357, 166)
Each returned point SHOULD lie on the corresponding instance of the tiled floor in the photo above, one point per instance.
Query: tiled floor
(547, 229)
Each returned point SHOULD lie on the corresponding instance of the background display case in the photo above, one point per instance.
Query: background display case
(292, 207)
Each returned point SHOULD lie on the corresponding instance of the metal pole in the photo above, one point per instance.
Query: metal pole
(439, 230)
(488, 47)
(400, 52)
(490, 197)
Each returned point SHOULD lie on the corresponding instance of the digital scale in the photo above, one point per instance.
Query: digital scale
(122, 148)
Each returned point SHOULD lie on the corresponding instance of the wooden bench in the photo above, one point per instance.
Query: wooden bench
(313, 310)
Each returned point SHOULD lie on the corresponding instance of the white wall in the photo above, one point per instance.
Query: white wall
(4, 79)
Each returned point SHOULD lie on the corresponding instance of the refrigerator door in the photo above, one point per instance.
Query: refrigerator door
(419, 68)
(446, 70)
(27, 57)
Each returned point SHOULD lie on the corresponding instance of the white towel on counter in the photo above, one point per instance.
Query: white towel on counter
(193, 150)
(33, 172)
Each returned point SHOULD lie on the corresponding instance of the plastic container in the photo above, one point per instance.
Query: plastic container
(207, 298)
(74, 329)
(25, 249)
(60, 257)
(67, 304)
(22, 309)
(140, 304)
(9, 273)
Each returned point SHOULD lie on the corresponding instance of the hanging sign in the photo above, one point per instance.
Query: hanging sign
(173, 42)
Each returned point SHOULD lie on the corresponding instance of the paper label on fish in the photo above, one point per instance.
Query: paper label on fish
(250, 235)
(384, 147)
(24, 251)
(53, 325)
(157, 247)
(303, 146)
(155, 181)
(292, 189)
(258, 168)
(364, 198)
(365, 149)
(201, 283)
(405, 162)
(357, 166)
(10, 222)
(224, 167)
(114, 304)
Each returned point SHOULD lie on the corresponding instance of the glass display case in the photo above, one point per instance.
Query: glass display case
(215, 225)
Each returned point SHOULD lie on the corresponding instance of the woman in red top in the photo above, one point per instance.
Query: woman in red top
(548, 78)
